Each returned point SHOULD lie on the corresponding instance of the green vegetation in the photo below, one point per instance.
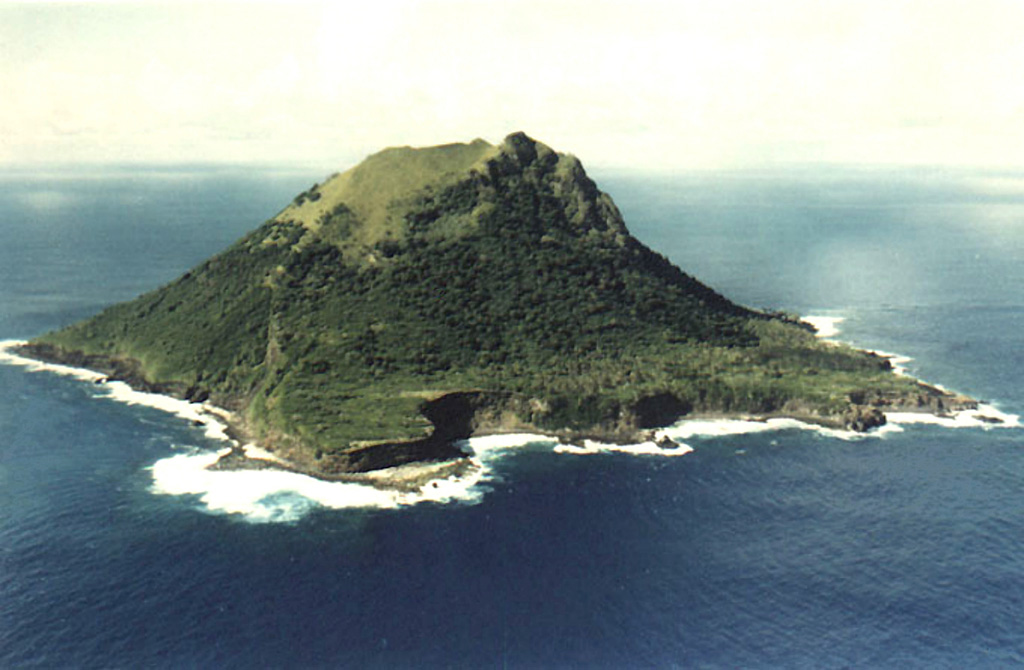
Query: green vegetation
(501, 271)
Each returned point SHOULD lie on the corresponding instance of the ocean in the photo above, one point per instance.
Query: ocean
(789, 548)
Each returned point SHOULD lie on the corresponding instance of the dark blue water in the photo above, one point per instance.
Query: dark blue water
(774, 550)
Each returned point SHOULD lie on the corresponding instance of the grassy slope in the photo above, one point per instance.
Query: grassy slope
(465, 267)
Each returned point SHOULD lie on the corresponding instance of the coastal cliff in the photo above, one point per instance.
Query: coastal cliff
(428, 295)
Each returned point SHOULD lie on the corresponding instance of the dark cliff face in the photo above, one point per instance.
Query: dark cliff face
(562, 176)
(501, 272)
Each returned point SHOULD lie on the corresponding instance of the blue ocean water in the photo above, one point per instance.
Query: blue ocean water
(785, 549)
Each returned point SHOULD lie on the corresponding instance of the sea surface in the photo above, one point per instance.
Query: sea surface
(781, 549)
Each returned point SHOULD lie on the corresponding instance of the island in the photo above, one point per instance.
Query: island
(428, 295)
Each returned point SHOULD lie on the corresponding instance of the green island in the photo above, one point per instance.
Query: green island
(432, 294)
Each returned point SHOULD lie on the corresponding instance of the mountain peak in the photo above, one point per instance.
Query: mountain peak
(381, 199)
(525, 149)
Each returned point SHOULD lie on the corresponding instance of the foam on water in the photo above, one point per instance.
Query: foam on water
(898, 362)
(590, 447)
(828, 329)
(985, 416)
(252, 451)
(212, 418)
(710, 428)
(8, 356)
(259, 495)
(275, 495)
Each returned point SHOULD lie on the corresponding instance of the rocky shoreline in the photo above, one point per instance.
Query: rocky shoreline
(458, 416)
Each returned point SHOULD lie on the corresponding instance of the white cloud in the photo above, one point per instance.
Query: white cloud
(672, 84)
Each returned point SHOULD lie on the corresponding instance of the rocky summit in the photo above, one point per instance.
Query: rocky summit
(431, 294)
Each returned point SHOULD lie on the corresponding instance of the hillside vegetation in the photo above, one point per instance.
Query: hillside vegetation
(473, 287)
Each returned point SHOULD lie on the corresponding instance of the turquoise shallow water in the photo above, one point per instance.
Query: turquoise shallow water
(784, 549)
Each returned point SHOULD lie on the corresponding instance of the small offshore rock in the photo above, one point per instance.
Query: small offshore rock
(666, 442)
(861, 419)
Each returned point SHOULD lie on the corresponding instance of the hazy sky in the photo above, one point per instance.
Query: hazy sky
(675, 85)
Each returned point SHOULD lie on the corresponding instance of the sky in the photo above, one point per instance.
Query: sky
(674, 85)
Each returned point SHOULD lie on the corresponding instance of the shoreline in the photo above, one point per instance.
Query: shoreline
(239, 453)
(451, 479)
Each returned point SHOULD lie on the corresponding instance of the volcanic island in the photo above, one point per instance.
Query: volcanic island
(429, 295)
